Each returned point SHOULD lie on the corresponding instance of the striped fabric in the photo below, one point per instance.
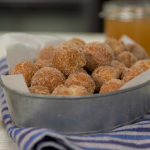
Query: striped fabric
(130, 137)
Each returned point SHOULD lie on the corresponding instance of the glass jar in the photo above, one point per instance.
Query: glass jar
(130, 18)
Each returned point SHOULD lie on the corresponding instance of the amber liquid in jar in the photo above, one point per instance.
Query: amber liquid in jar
(128, 17)
(137, 29)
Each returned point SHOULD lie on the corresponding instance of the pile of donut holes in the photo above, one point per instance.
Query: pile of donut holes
(77, 68)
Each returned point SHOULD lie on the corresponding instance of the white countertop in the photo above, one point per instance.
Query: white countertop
(6, 143)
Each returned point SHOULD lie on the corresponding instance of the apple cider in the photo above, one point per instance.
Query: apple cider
(138, 30)
(130, 19)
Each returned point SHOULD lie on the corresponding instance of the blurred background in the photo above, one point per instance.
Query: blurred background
(51, 15)
(113, 17)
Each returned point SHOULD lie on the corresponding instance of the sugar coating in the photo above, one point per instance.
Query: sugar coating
(138, 51)
(81, 79)
(77, 39)
(118, 65)
(78, 90)
(80, 43)
(82, 70)
(117, 46)
(130, 73)
(143, 64)
(72, 90)
(27, 69)
(48, 77)
(68, 59)
(103, 74)
(39, 90)
(97, 54)
(126, 58)
(111, 85)
(46, 53)
(61, 90)
(44, 63)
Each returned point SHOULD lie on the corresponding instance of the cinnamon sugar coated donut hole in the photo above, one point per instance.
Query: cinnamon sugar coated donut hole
(82, 70)
(78, 90)
(81, 79)
(77, 68)
(130, 73)
(111, 85)
(137, 50)
(39, 90)
(143, 64)
(80, 43)
(44, 63)
(27, 69)
(118, 65)
(61, 90)
(103, 74)
(77, 39)
(68, 59)
(97, 54)
(46, 53)
(48, 77)
(126, 58)
(72, 90)
(117, 46)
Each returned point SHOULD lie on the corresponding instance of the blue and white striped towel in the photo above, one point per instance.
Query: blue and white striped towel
(130, 137)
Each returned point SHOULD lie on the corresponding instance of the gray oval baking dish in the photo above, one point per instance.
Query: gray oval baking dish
(78, 114)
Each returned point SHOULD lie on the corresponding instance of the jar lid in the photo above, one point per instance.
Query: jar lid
(125, 10)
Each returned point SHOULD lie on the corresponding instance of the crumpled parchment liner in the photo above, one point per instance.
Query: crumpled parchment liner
(23, 47)
(142, 78)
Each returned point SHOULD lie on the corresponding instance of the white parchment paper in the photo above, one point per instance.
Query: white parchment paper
(23, 47)
(15, 82)
(127, 40)
(142, 78)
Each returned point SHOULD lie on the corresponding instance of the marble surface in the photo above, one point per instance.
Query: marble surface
(6, 143)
